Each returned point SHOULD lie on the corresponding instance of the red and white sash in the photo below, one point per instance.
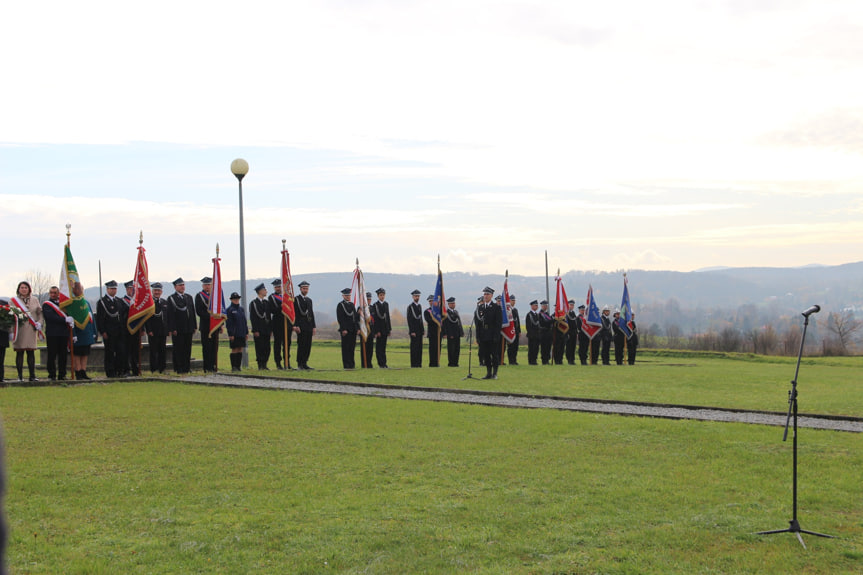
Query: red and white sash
(20, 305)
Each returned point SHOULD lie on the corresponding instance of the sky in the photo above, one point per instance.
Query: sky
(667, 135)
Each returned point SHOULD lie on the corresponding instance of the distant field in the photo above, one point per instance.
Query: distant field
(157, 477)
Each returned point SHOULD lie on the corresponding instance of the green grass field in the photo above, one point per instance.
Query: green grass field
(160, 477)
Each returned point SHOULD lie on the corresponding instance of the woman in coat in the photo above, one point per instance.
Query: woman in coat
(28, 330)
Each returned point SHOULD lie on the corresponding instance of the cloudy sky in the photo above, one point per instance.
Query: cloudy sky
(616, 135)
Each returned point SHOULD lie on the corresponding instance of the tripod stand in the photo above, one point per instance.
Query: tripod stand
(469, 351)
(794, 526)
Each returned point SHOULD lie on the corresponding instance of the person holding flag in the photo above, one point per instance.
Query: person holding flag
(74, 306)
(288, 315)
(361, 300)
(281, 328)
(216, 312)
(573, 332)
(56, 334)
(434, 317)
(509, 328)
(140, 308)
(209, 342)
(561, 327)
(591, 324)
(626, 323)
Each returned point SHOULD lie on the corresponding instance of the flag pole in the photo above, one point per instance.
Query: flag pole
(556, 295)
(503, 339)
(140, 247)
(441, 305)
(361, 298)
(71, 330)
(285, 319)
(547, 296)
(219, 303)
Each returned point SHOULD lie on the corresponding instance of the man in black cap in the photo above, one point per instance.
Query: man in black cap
(487, 321)
(157, 330)
(414, 315)
(370, 340)
(280, 325)
(607, 335)
(512, 347)
(632, 342)
(546, 325)
(619, 338)
(533, 326)
(305, 326)
(209, 343)
(434, 334)
(583, 338)
(453, 330)
(181, 325)
(349, 325)
(382, 326)
(573, 333)
(259, 313)
(133, 340)
(111, 323)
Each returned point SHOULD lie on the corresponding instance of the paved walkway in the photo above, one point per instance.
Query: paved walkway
(532, 402)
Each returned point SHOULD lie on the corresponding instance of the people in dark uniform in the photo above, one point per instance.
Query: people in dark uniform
(382, 326)
(280, 326)
(572, 333)
(434, 334)
(619, 338)
(583, 338)
(181, 325)
(133, 340)
(606, 336)
(487, 320)
(512, 347)
(533, 327)
(479, 301)
(209, 343)
(416, 329)
(238, 331)
(558, 340)
(259, 313)
(546, 325)
(111, 322)
(632, 342)
(57, 325)
(157, 330)
(349, 326)
(369, 347)
(453, 331)
(304, 326)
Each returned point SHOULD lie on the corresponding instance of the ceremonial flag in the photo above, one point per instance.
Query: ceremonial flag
(624, 322)
(592, 322)
(142, 306)
(438, 308)
(507, 328)
(561, 305)
(287, 288)
(217, 297)
(73, 306)
(358, 298)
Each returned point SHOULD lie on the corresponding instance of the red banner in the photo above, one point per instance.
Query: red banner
(287, 288)
(142, 306)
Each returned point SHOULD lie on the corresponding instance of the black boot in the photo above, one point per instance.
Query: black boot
(31, 365)
(19, 365)
(487, 372)
(494, 373)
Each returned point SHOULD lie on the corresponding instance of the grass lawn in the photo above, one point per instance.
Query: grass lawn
(159, 477)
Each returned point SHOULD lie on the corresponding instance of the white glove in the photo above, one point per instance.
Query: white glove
(38, 326)
(70, 320)
(74, 339)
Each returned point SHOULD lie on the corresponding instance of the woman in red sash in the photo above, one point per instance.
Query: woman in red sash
(27, 330)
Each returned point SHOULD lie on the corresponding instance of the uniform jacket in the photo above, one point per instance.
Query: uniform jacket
(111, 315)
(381, 318)
(55, 323)
(235, 321)
(259, 314)
(305, 313)
(157, 323)
(487, 321)
(452, 326)
(414, 314)
(181, 313)
(348, 318)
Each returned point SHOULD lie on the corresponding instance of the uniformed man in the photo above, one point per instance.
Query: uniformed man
(181, 325)
(488, 320)
(111, 322)
(619, 338)
(512, 347)
(453, 331)
(434, 334)
(304, 326)
(572, 333)
(57, 326)
(546, 325)
(209, 344)
(369, 350)
(259, 313)
(382, 326)
(157, 330)
(533, 326)
(632, 343)
(280, 325)
(133, 340)
(606, 335)
(416, 329)
(558, 340)
(349, 325)
(583, 338)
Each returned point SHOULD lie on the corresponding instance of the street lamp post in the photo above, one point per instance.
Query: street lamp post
(240, 168)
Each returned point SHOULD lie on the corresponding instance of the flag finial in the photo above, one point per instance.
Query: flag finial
(283, 243)
(141, 238)
(358, 262)
(68, 233)
(217, 249)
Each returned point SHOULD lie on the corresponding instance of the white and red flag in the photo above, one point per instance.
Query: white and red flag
(142, 307)
(561, 305)
(358, 298)
(217, 297)
(287, 287)
(507, 328)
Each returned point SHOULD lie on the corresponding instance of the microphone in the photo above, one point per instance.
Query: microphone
(811, 310)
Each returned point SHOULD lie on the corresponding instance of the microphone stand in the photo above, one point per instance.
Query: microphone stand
(469, 350)
(794, 526)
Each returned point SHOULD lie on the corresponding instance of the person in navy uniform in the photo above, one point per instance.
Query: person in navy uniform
(487, 320)
(237, 329)
(57, 325)
(259, 313)
(434, 334)
(181, 325)
(133, 340)
(280, 325)
(370, 340)
(157, 330)
(453, 331)
(209, 343)
(583, 339)
(606, 334)
(572, 333)
(512, 347)
(349, 325)
(546, 325)
(305, 325)
(111, 323)
(534, 332)
(381, 326)
(416, 329)
(619, 338)
(632, 344)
